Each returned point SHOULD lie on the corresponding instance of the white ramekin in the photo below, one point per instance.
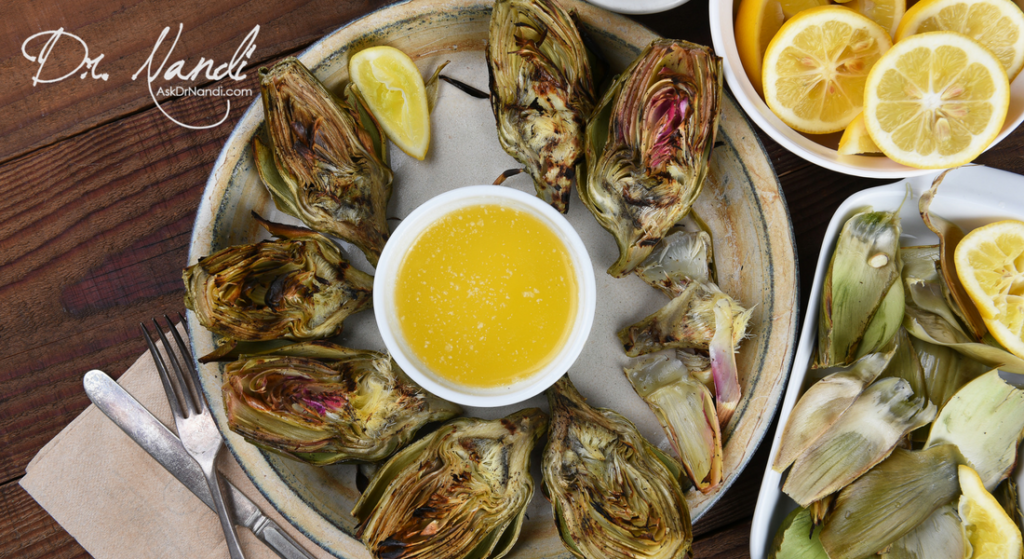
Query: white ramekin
(394, 254)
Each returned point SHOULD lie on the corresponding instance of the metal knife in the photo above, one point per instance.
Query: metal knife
(136, 421)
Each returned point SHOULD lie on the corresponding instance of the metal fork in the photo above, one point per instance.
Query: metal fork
(196, 428)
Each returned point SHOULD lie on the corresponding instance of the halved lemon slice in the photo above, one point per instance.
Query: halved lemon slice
(815, 67)
(886, 13)
(936, 100)
(856, 140)
(992, 533)
(990, 264)
(996, 24)
(393, 89)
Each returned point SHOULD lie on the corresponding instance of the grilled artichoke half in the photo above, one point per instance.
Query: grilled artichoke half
(322, 403)
(613, 494)
(648, 145)
(325, 163)
(297, 286)
(542, 92)
(460, 492)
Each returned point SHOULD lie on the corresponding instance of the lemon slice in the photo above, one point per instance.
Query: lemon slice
(392, 87)
(936, 100)
(756, 23)
(856, 140)
(886, 13)
(996, 24)
(815, 67)
(990, 264)
(992, 533)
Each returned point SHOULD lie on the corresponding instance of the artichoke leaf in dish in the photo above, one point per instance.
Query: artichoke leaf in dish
(686, 410)
(905, 363)
(681, 257)
(460, 492)
(864, 435)
(322, 164)
(862, 297)
(297, 286)
(892, 499)
(824, 403)
(648, 146)
(542, 92)
(613, 494)
(687, 321)
(797, 538)
(322, 403)
(940, 536)
(985, 420)
(945, 370)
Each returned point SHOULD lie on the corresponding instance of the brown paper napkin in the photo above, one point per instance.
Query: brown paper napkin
(118, 502)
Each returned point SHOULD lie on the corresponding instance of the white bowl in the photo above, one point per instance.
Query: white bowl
(723, 36)
(638, 6)
(405, 236)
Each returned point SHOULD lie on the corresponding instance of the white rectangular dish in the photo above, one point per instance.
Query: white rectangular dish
(970, 197)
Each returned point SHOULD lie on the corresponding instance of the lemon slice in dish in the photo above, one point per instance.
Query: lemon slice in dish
(990, 264)
(815, 68)
(756, 23)
(996, 24)
(856, 140)
(393, 89)
(936, 100)
(992, 533)
(886, 13)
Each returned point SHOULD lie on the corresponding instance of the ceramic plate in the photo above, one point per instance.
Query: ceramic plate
(969, 197)
(741, 202)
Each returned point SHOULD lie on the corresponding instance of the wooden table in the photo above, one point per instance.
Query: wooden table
(98, 191)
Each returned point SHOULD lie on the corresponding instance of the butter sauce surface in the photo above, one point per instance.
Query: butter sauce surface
(486, 296)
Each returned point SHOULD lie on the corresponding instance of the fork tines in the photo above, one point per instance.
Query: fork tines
(180, 390)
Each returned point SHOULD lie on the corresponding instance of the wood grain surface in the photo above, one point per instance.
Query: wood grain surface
(98, 191)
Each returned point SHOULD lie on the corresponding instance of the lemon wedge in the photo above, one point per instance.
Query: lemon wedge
(815, 67)
(996, 24)
(856, 140)
(990, 264)
(756, 23)
(936, 100)
(992, 533)
(886, 13)
(393, 89)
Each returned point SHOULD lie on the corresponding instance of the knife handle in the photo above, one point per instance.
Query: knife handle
(274, 536)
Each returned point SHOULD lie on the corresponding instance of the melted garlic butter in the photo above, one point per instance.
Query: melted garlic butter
(486, 296)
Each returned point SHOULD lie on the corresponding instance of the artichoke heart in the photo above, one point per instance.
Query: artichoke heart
(985, 420)
(613, 494)
(687, 321)
(863, 436)
(460, 492)
(681, 257)
(322, 403)
(325, 161)
(862, 298)
(892, 499)
(542, 92)
(686, 410)
(649, 143)
(824, 403)
(297, 286)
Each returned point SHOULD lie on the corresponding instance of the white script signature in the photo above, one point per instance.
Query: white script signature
(176, 70)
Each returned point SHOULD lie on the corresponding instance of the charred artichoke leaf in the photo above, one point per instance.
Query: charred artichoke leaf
(687, 321)
(649, 143)
(892, 499)
(862, 297)
(296, 286)
(460, 492)
(985, 420)
(686, 411)
(940, 536)
(681, 257)
(797, 538)
(613, 494)
(864, 435)
(824, 403)
(331, 173)
(322, 403)
(542, 92)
